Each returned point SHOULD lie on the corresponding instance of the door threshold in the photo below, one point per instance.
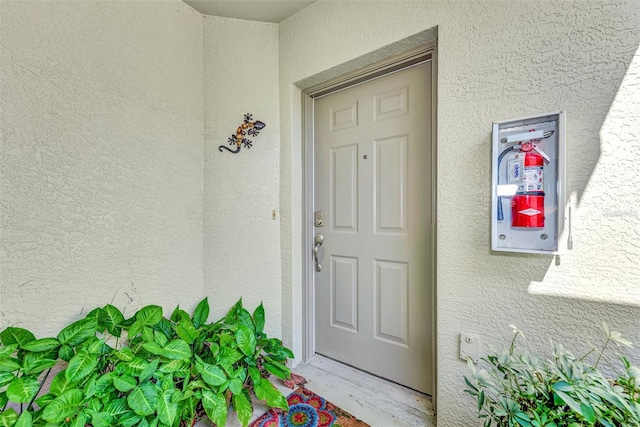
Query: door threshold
(370, 398)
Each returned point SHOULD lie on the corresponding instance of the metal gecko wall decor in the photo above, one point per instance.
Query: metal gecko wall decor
(251, 128)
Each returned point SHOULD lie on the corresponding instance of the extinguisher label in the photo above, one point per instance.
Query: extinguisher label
(515, 165)
(530, 212)
(533, 178)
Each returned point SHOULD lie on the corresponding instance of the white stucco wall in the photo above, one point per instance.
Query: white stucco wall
(241, 240)
(101, 158)
(499, 60)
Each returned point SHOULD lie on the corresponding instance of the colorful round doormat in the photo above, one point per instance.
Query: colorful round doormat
(307, 409)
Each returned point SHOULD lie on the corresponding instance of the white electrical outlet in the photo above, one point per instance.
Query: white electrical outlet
(470, 346)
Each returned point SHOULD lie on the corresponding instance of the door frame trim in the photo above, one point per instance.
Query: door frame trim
(427, 52)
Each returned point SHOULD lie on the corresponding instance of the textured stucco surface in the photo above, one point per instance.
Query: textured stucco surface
(101, 158)
(107, 193)
(241, 240)
(499, 60)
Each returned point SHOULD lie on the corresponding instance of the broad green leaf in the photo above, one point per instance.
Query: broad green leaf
(80, 420)
(233, 313)
(165, 327)
(235, 385)
(143, 399)
(63, 406)
(22, 389)
(34, 363)
(211, 374)
(569, 401)
(240, 373)
(104, 385)
(259, 319)
(78, 332)
(149, 315)
(125, 354)
(41, 345)
(243, 408)
(18, 336)
(254, 373)
(277, 369)
(124, 383)
(228, 340)
(229, 356)
(215, 406)
(99, 316)
(176, 350)
(167, 409)
(187, 331)
(588, 413)
(129, 419)
(44, 400)
(284, 353)
(166, 382)
(246, 340)
(173, 366)
(201, 313)
(134, 330)
(8, 350)
(66, 352)
(60, 384)
(605, 423)
(562, 386)
(149, 370)
(6, 378)
(94, 405)
(179, 314)
(136, 366)
(89, 388)
(117, 407)
(266, 391)
(244, 318)
(152, 347)
(102, 419)
(24, 420)
(81, 365)
(95, 346)
(160, 338)
(8, 417)
(214, 348)
(147, 334)
(113, 319)
(3, 398)
(611, 397)
(196, 384)
(9, 364)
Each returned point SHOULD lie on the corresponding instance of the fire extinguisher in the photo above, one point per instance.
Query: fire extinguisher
(526, 170)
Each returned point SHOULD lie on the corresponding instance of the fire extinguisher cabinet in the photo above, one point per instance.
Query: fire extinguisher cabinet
(528, 188)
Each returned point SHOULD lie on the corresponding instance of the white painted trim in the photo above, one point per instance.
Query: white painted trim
(308, 301)
(434, 224)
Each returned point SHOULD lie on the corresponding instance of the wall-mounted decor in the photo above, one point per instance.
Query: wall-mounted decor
(251, 128)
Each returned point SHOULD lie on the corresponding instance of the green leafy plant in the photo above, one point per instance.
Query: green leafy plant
(146, 371)
(521, 389)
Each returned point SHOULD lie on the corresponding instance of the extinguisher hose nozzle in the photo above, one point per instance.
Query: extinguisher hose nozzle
(500, 157)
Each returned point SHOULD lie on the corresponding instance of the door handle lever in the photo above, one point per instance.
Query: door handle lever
(316, 246)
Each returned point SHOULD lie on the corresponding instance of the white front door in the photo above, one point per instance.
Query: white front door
(373, 158)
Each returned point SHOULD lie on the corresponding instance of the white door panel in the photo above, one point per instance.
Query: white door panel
(373, 182)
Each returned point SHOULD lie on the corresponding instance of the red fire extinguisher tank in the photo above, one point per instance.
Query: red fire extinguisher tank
(527, 205)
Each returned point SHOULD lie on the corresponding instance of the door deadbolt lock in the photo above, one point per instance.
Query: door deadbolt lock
(318, 218)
